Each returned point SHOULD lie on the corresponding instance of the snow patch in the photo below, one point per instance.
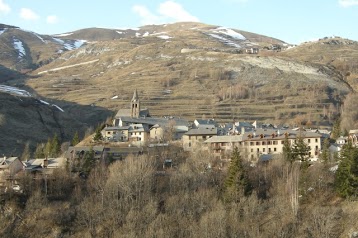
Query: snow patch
(20, 47)
(115, 97)
(120, 32)
(14, 91)
(64, 34)
(146, 34)
(44, 102)
(54, 105)
(137, 34)
(3, 30)
(229, 32)
(164, 37)
(225, 40)
(39, 37)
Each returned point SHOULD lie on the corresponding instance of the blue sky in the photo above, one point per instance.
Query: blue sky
(290, 20)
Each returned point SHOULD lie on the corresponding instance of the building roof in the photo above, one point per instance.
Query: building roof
(202, 131)
(151, 121)
(353, 132)
(126, 112)
(224, 139)
(278, 134)
(8, 160)
(116, 128)
(205, 122)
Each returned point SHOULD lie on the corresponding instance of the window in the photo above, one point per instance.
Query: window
(258, 150)
(251, 143)
(309, 140)
(269, 150)
(282, 142)
(263, 143)
(316, 140)
(263, 150)
(274, 142)
(269, 142)
(140, 133)
(316, 147)
(204, 137)
(257, 143)
(274, 149)
(189, 144)
(252, 150)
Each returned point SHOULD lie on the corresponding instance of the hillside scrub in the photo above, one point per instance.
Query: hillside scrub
(132, 198)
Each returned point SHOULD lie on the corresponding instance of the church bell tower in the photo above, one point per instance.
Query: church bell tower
(135, 105)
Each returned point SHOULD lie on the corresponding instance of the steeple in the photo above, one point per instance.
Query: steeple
(135, 105)
(135, 96)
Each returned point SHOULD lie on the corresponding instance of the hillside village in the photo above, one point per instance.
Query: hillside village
(177, 130)
(134, 131)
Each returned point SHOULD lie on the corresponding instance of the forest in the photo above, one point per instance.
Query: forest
(140, 197)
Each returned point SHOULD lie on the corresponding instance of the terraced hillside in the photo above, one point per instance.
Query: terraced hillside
(192, 70)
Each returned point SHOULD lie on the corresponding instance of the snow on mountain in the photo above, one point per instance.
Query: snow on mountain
(54, 105)
(14, 91)
(228, 32)
(146, 34)
(2, 31)
(164, 37)
(64, 34)
(19, 47)
(38, 36)
(225, 40)
(120, 32)
(70, 45)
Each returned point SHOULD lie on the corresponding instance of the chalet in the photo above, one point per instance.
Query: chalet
(115, 134)
(269, 141)
(195, 137)
(77, 152)
(222, 146)
(44, 166)
(9, 167)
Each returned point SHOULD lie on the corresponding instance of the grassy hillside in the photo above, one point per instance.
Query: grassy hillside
(183, 70)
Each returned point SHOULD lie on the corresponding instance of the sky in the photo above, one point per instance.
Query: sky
(293, 21)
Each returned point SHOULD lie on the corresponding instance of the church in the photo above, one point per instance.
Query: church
(135, 125)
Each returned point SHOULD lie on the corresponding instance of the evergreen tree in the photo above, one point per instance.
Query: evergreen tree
(88, 161)
(236, 182)
(75, 139)
(48, 148)
(55, 146)
(287, 151)
(39, 152)
(336, 130)
(300, 150)
(98, 135)
(346, 181)
(325, 155)
(26, 154)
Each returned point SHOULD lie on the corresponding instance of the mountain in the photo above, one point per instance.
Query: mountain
(192, 70)
(24, 117)
(24, 51)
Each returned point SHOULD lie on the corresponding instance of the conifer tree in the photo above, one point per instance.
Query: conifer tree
(39, 152)
(325, 155)
(55, 146)
(287, 151)
(75, 139)
(336, 130)
(346, 181)
(236, 182)
(26, 154)
(98, 135)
